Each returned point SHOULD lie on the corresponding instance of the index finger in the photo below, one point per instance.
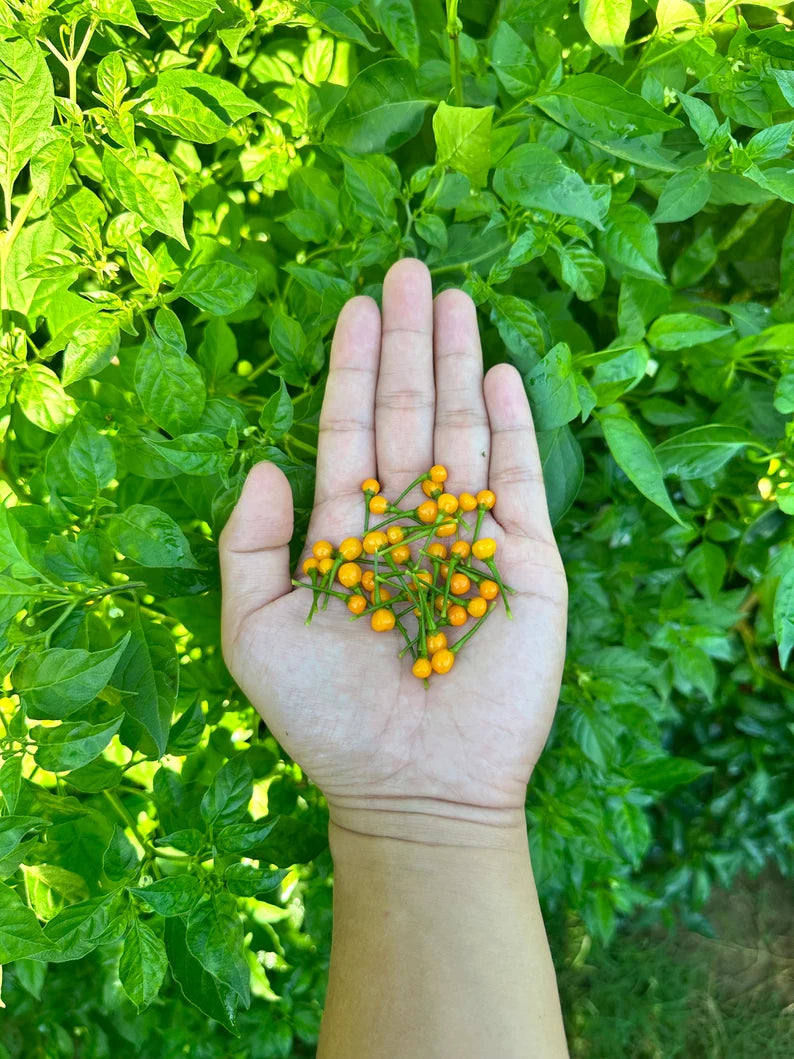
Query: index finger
(346, 442)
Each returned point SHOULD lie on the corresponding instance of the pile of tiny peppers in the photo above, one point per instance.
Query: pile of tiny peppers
(398, 571)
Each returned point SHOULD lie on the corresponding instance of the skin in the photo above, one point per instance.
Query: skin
(439, 947)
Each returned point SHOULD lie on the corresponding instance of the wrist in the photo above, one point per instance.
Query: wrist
(425, 822)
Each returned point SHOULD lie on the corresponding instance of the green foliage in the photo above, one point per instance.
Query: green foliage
(191, 193)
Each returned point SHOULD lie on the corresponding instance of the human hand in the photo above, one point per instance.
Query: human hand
(401, 396)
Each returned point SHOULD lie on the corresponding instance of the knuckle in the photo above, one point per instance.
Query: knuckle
(458, 415)
(404, 400)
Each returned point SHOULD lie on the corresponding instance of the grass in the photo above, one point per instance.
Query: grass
(662, 995)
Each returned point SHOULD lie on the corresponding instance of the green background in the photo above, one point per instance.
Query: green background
(191, 193)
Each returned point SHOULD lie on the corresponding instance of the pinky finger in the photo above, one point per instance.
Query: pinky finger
(516, 474)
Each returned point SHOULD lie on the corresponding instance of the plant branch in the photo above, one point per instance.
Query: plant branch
(454, 27)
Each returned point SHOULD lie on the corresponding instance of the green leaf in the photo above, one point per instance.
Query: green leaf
(187, 730)
(770, 143)
(607, 22)
(43, 400)
(631, 241)
(591, 104)
(111, 78)
(702, 451)
(14, 828)
(220, 288)
(72, 744)
(296, 360)
(380, 110)
(179, 10)
(169, 385)
(463, 140)
(215, 938)
(684, 195)
(681, 330)
(14, 545)
(242, 838)
(91, 348)
(143, 267)
(705, 567)
(172, 896)
(189, 840)
(292, 841)
(197, 454)
(21, 935)
(551, 388)
(632, 831)
(595, 738)
(702, 118)
(97, 776)
(11, 782)
(778, 180)
(535, 177)
(49, 166)
(317, 61)
(26, 106)
(373, 183)
(397, 21)
(198, 986)
(149, 536)
(514, 64)
(142, 965)
(120, 860)
(55, 683)
(582, 271)
(120, 13)
(332, 291)
(635, 457)
(519, 329)
(333, 17)
(51, 887)
(784, 394)
(246, 880)
(229, 793)
(665, 773)
(80, 463)
(783, 616)
(77, 930)
(146, 184)
(148, 674)
(195, 106)
(432, 229)
(277, 414)
(694, 671)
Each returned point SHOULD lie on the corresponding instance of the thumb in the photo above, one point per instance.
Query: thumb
(254, 548)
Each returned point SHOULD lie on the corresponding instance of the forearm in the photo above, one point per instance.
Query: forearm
(439, 947)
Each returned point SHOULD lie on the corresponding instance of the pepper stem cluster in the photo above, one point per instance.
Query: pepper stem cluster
(397, 571)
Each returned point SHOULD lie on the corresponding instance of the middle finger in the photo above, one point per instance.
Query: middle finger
(405, 397)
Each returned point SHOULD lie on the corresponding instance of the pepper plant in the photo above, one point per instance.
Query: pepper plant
(191, 191)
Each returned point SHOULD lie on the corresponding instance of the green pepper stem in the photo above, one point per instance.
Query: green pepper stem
(321, 591)
(413, 485)
(457, 646)
(331, 578)
(406, 637)
(480, 516)
(495, 574)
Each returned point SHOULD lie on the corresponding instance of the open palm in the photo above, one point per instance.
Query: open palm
(403, 393)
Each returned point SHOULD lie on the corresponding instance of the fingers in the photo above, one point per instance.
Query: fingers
(254, 552)
(462, 437)
(346, 443)
(515, 475)
(405, 399)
